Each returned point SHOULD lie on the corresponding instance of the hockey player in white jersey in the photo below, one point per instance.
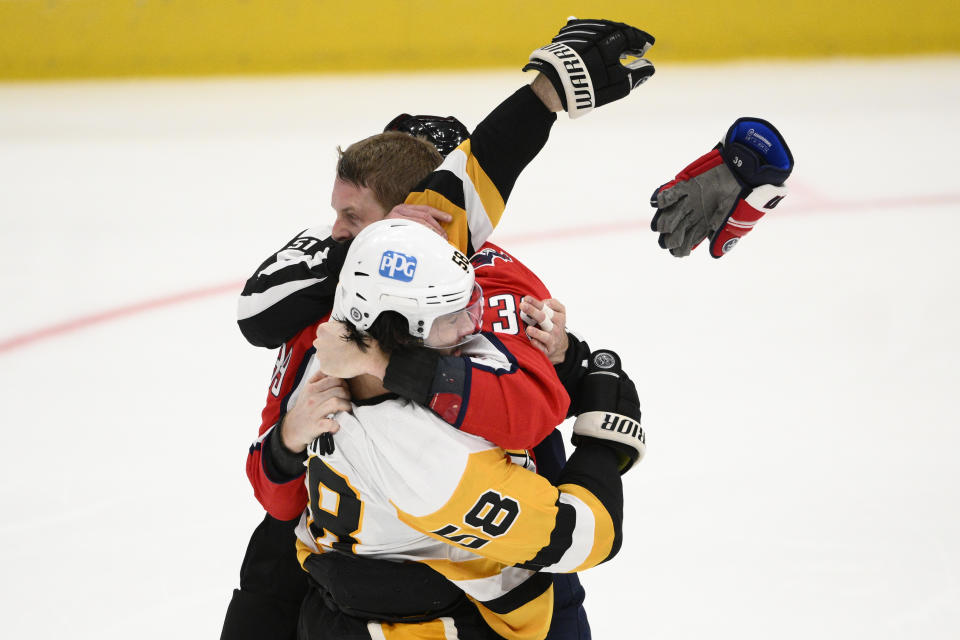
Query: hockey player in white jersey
(487, 164)
(400, 484)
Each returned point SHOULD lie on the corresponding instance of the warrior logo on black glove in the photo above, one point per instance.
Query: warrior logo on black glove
(608, 409)
(623, 425)
(584, 62)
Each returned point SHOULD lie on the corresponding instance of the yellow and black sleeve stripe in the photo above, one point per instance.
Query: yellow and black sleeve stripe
(476, 179)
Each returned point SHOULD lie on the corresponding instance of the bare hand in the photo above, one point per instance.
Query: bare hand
(322, 397)
(429, 217)
(552, 340)
(343, 358)
(544, 90)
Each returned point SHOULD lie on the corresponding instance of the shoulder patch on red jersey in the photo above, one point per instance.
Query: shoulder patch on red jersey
(486, 257)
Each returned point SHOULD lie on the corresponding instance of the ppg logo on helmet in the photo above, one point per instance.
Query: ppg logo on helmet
(397, 266)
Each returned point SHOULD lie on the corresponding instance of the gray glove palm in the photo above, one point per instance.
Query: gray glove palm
(694, 209)
(723, 194)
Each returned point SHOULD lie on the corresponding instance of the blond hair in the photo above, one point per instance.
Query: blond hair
(390, 164)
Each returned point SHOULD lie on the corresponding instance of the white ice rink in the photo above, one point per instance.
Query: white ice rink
(800, 395)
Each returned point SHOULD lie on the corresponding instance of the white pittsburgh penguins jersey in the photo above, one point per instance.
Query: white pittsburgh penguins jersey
(402, 485)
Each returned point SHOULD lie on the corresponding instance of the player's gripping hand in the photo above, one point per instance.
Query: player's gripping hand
(310, 417)
(583, 62)
(608, 409)
(546, 322)
(724, 193)
(426, 215)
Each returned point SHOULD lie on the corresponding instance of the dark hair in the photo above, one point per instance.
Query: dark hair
(391, 331)
(390, 164)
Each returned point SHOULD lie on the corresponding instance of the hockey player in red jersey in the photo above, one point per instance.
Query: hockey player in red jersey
(521, 397)
(524, 383)
(405, 477)
(498, 150)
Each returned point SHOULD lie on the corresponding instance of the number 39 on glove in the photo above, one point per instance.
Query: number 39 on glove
(724, 193)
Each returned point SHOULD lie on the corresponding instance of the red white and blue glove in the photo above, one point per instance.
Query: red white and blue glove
(724, 193)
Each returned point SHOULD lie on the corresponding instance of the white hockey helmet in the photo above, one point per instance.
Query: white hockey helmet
(402, 266)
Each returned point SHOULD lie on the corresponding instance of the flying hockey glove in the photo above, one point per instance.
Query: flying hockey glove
(724, 193)
(608, 409)
(583, 62)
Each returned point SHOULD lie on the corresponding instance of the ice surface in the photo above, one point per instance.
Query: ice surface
(801, 478)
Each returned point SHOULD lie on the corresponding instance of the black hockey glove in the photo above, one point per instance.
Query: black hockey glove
(724, 193)
(608, 409)
(445, 132)
(583, 61)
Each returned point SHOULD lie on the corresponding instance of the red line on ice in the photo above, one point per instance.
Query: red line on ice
(811, 203)
(101, 317)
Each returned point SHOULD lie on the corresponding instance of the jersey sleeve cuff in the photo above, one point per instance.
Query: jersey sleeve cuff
(571, 370)
(279, 463)
(410, 374)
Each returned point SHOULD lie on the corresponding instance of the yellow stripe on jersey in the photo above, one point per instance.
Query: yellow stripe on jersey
(439, 629)
(528, 622)
(603, 531)
(498, 510)
(482, 203)
(489, 194)
(466, 570)
(457, 231)
(304, 552)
